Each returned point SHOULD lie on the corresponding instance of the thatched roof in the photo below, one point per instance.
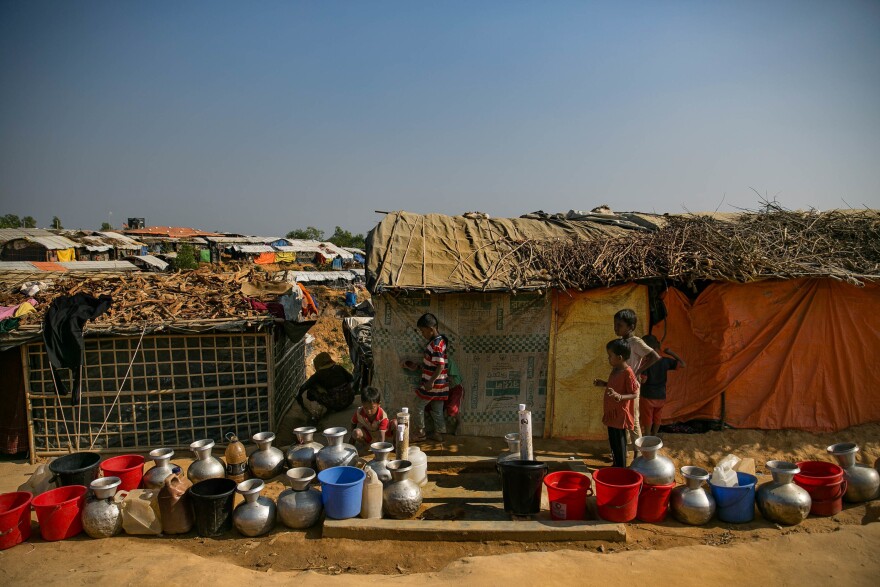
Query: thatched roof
(461, 253)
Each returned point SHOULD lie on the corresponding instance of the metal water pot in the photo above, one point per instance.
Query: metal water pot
(401, 498)
(154, 478)
(692, 503)
(256, 516)
(302, 454)
(267, 461)
(336, 453)
(655, 468)
(780, 500)
(862, 482)
(102, 514)
(379, 464)
(512, 453)
(205, 466)
(300, 506)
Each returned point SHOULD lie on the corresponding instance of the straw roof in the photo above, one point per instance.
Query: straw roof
(582, 251)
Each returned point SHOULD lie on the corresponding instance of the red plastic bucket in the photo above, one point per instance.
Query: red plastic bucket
(129, 469)
(567, 492)
(59, 511)
(825, 484)
(654, 502)
(617, 493)
(15, 518)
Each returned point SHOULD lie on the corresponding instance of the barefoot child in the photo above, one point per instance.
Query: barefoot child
(369, 423)
(641, 356)
(434, 388)
(653, 391)
(620, 391)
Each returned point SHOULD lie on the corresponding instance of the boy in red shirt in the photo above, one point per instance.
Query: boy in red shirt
(369, 423)
(620, 391)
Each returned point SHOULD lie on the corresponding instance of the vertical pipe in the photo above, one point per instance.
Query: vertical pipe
(526, 452)
(403, 434)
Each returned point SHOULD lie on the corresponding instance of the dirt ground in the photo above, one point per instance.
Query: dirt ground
(848, 540)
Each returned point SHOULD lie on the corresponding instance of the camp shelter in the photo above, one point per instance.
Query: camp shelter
(753, 301)
(35, 244)
(177, 359)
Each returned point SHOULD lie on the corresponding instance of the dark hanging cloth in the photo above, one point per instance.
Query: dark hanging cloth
(62, 333)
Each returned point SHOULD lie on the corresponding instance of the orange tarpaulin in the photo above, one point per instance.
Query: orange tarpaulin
(265, 258)
(789, 354)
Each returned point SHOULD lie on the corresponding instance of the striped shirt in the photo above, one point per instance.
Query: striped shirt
(435, 354)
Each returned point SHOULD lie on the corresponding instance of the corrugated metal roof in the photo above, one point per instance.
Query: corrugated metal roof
(120, 240)
(170, 231)
(300, 248)
(41, 236)
(99, 266)
(16, 266)
(149, 260)
(318, 276)
(253, 249)
(243, 240)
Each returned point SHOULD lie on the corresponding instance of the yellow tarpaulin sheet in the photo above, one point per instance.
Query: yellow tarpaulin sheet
(582, 324)
(65, 255)
(285, 257)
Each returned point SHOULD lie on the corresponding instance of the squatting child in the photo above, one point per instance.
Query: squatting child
(370, 423)
(621, 389)
(653, 391)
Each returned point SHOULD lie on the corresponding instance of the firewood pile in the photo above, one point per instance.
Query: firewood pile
(140, 298)
(771, 243)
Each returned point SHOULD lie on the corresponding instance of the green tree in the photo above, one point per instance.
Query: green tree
(310, 234)
(10, 221)
(56, 223)
(105, 226)
(29, 222)
(186, 258)
(343, 238)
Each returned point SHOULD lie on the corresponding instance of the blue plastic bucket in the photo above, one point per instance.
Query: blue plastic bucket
(736, 505)
(341, 491)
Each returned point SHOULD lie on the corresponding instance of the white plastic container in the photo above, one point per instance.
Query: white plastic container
(140, 513)
(419, 460)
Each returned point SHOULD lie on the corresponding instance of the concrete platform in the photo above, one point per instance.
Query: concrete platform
(541, 529)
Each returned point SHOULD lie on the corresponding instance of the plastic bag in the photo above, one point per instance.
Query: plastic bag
(39, 482)
(724, 473)
(140, 513)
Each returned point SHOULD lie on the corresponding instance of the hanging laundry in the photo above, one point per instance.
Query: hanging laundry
(65, 255)
(62, 333)
(19, 310)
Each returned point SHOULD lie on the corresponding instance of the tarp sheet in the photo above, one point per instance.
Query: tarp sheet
(789, 354)
(499, 342)
(583, 325)
(457, 253)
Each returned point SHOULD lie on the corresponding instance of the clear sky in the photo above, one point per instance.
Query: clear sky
(261, 117)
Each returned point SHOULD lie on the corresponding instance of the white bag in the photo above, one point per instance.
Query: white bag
(39, 482)
(724, 475)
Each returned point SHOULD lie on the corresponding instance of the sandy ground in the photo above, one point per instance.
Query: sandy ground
(844, 546)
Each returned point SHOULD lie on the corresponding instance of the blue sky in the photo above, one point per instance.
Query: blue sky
(261, 117)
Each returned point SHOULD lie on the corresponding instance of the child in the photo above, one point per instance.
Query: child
(369, 423)
(434, 388)
(641, 355)
(620, 391)
(653, 391)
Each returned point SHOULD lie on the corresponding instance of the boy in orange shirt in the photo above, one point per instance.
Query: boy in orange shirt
(620, 391)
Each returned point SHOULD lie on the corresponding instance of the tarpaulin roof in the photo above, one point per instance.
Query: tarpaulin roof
(438, 252)
(253, 249)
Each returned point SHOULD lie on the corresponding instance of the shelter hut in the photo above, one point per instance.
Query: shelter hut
(169, 239)
(175, 359)
(763, 306)
(35, 244)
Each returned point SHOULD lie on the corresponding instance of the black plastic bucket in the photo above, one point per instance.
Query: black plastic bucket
(79, 468)
(211, 501)
(521, 483)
